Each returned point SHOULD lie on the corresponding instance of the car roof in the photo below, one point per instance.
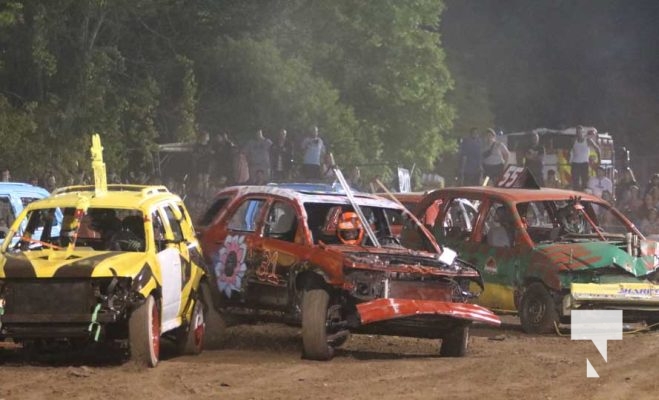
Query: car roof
(9, 187)
(362, 199)
(313, 187)
(520, 195)
(117, 196)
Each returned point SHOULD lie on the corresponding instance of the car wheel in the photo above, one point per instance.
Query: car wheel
(456, 342)
(190, 338)
(315, 342)
(537, 310)
(144, 333)
(215, 332)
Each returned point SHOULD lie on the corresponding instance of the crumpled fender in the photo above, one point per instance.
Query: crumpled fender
(386, 309)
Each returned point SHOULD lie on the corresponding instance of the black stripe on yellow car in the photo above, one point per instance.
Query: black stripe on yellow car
(186, 270)
(18, 266)
(81, 268)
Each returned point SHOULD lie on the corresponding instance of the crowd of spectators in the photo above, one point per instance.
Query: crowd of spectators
(483, 158)
(220, 161)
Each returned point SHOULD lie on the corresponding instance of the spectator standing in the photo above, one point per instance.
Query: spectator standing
(470, 160)
(600, 183)
(630, 202)
(257, 152)
(580, 157)
(240, 167)
(222, 157)
(313, 150)
(534, 158)
(6, 175)
(644, 209)
(552, 181)
(653, 184)
(495, 156)
(50, 181)
(355, 179)
(626, 181)
(203, 159)
(281, 157)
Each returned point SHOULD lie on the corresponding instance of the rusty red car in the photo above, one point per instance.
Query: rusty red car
(545, 252)
(331, 264)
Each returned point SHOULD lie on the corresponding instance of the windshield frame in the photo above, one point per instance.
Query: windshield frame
(554, 219)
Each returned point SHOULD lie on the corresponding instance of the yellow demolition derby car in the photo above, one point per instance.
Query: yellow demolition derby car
(125, 267)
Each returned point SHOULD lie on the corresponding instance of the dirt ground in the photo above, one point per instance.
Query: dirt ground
(263, 362)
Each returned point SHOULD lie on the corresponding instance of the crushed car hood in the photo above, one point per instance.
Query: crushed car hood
(396, 258)
(80, 264)
(593, 255)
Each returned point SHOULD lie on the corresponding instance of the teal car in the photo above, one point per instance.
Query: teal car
(545, 252)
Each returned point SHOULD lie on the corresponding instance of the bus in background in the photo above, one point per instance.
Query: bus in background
(557, 144)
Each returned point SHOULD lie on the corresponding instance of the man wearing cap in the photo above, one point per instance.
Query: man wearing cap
(600, 183)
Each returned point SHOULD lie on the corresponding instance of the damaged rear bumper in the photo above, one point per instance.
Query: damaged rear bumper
(385, 309)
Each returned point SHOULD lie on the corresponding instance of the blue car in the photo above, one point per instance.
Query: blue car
(14, 196)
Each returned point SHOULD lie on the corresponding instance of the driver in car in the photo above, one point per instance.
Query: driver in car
(571, 220)
(349, 229)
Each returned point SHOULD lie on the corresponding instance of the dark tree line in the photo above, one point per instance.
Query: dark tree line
(371, 74)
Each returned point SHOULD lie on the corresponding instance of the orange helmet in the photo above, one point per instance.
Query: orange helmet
(350, 229)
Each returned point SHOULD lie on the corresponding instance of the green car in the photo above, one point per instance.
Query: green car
(545, 252)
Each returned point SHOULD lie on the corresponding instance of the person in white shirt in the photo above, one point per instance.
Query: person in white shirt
(313, 150)
(580, 158)
(495, 156)
(600, 183)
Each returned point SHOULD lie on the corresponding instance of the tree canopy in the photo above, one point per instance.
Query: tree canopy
(371, 74)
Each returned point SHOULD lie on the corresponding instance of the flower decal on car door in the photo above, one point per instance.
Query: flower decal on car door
(229, 264)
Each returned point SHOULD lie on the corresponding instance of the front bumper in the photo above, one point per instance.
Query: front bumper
(641, 296)
(54, 308)
(388, 309)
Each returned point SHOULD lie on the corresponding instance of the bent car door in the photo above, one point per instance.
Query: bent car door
(229, 261)
(273, 255)
(169, 258)
(495, 250)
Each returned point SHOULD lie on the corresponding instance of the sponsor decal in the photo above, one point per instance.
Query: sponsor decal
(639, 292)
(229, 264)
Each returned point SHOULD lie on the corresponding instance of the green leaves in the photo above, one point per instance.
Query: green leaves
(371, 75)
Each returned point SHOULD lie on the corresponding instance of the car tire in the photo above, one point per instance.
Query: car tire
(216, 326)
(456, 342)
(144, 333)
(315, 343)
(537, 310)
(190, 337)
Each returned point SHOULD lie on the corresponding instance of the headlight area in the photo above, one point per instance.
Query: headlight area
(113, 294)
(367, 285)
